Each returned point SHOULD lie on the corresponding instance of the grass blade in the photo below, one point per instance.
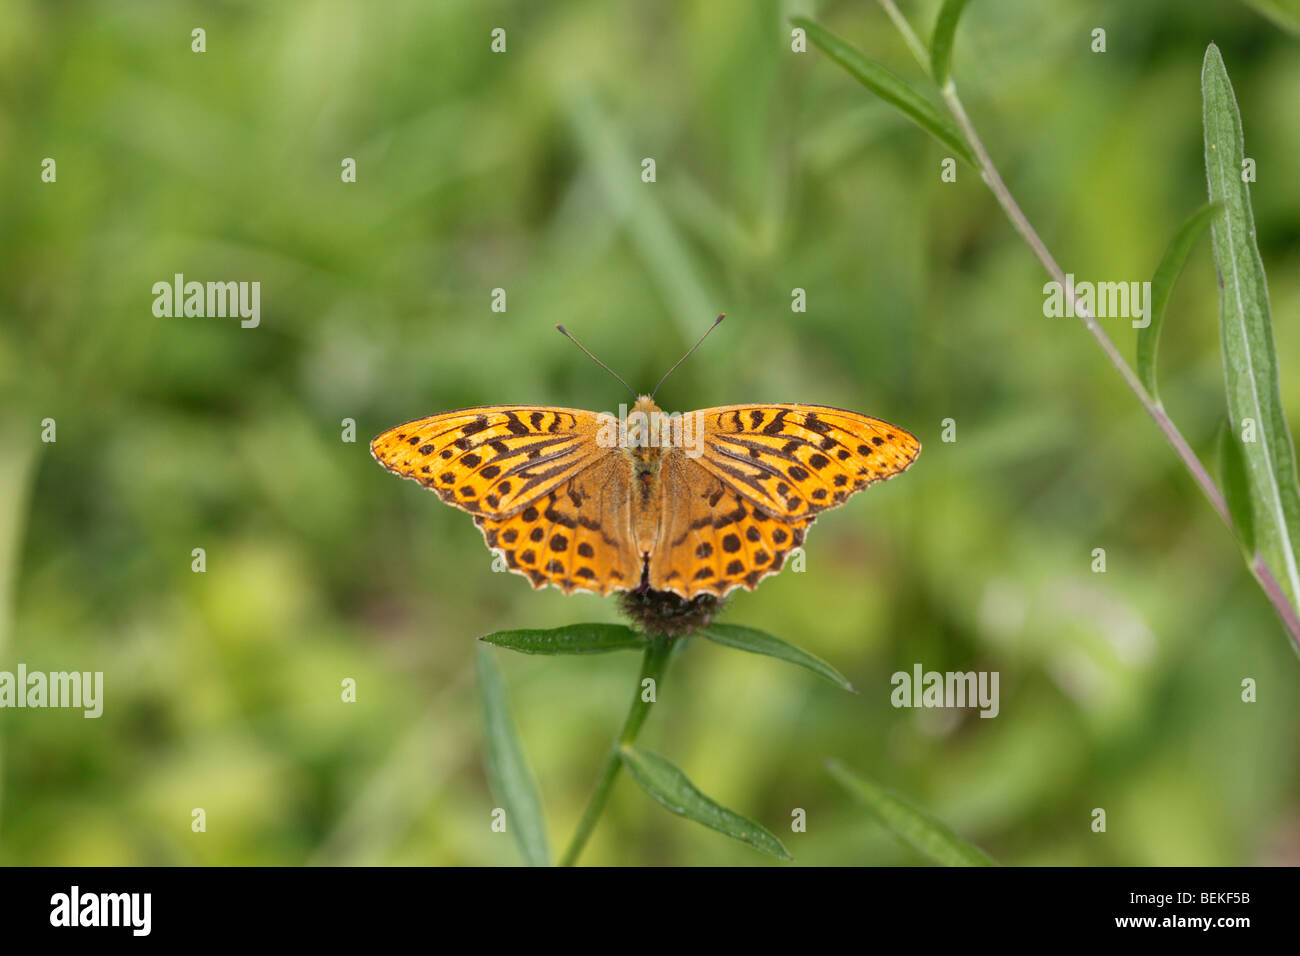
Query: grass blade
(909, 823)
(759, 642)
(1162, 285)
(890, 87)
(571, 639)
(663, 781)
(945, 27)
(507, 769)
(1246, 327)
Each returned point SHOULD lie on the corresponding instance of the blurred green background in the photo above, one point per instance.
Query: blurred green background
(522, 171)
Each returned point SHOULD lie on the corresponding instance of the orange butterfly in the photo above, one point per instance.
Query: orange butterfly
(696, 504)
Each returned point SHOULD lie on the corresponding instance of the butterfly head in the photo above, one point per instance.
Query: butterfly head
(646, 429)
(642, 426)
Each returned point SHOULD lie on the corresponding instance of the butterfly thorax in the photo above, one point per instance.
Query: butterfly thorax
(642, 427)
(643, 446)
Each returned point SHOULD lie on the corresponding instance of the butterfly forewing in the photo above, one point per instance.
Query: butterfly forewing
(493, 460)
(794, 461)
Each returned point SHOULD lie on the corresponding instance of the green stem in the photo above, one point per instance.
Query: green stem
(911, 39)
(653, 665)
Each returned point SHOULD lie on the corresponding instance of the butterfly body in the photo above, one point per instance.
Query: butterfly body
(700, 503)
(646, 459)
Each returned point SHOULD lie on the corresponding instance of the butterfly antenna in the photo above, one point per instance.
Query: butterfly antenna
(688, 353)
(565, 333)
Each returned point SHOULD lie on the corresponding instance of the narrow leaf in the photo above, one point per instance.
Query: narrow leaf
(890, 87)
(1236, 488)
(910, 823)
(1246, 327)
(1162, 285)
(507, 769)
(941, 45)
(572, 639)
(659, 778)
(758, 642)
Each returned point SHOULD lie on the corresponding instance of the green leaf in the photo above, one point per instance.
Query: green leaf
(910, 823)
(507, 768)
(1246, 327)
(758, 642)
(890, 87)
(945, 27)
(573, 639)
(1284, 13)
(1236, 488)
(1162, 285)
(659, 778)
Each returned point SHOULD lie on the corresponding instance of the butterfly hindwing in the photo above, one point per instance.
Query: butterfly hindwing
(794, 461)
(492, 460)
(712, 539)
(576, 537)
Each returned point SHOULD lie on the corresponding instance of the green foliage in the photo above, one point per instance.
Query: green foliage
(890, 87)
(507, 769)
(1284, 13)
(945, 29)
(668, 785)
(570, 639)
(1236, 486)
(1246, 323)
(910, 823)
(1162, 286)
(1254, 398)
(758, 642)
